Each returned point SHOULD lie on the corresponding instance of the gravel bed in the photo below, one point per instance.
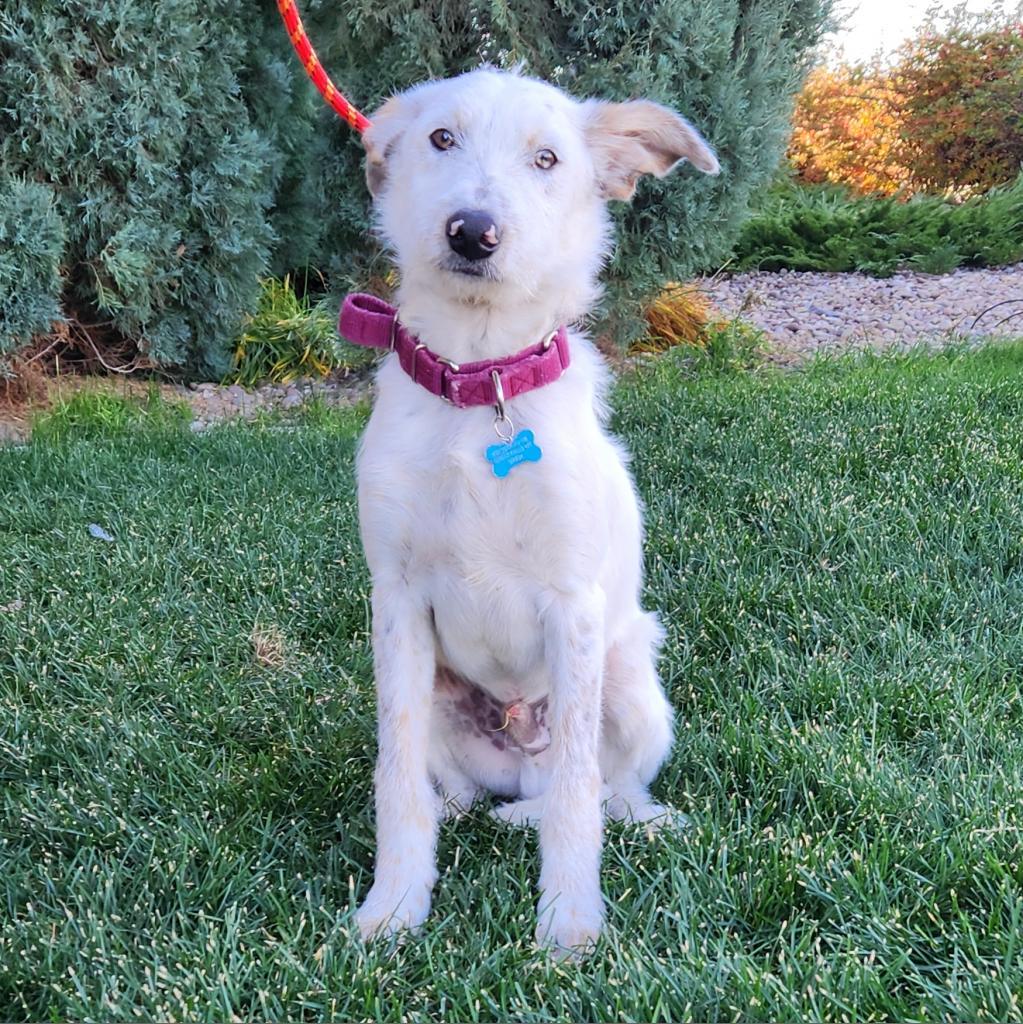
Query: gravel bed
(802, 314)
(805, 313)
(212, 403)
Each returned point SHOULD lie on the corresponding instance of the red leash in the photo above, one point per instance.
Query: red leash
(314, 69)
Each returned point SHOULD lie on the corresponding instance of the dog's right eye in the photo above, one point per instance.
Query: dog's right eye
(442, 139)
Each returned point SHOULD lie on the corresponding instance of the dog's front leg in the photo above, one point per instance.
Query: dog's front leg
(571, 908)
(407, 807)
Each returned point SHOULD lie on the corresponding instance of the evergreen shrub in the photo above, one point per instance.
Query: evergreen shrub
(173, 153)
(731, 66)
(828, 228)
(155, 146)
(32, 240)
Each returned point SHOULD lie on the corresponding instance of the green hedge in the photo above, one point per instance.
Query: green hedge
(172, 153)
(32, 241)
(827, 228)
(730, 66)
(160, 132)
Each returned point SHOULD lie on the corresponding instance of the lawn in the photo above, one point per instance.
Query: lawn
(186, 720)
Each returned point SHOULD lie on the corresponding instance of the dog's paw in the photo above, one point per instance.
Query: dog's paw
(652, 816)
(457, 805)
(658, 818)
(388, 911)
(520, 812)
(569, 928)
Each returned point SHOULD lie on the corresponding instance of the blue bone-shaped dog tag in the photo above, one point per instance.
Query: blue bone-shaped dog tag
(505, 457)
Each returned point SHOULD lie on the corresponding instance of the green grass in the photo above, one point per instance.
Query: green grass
(826, 228)
(839, 559)
(98, 415)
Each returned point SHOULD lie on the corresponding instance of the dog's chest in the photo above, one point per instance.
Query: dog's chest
(485, 531)
(479, 549)
(432, 484)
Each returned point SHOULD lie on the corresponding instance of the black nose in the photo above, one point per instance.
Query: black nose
(473, 234)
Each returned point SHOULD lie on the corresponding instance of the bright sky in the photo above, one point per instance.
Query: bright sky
(874, 25)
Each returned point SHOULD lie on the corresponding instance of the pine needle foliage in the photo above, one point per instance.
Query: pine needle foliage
(32, 240)
(826, 228)
(151, 144)
(173, 155)
(731, 66)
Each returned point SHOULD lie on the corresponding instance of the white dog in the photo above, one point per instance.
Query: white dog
(511, 651)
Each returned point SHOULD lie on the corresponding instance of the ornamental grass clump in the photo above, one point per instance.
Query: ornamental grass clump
(680, 315)
(287, 337)
(683, 318)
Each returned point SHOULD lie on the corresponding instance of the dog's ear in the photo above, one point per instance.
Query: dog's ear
(379, 140)
(640, 137)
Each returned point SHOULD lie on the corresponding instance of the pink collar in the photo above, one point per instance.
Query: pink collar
(367, 320)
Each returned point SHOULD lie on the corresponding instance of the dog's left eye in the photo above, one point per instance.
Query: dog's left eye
(545, 159)
(442, 139)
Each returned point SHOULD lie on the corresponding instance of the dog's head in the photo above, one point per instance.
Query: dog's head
(492, 183)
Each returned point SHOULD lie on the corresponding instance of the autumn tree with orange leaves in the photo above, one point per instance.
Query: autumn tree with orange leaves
(961, 122)
(846, 130)
(947, 115)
